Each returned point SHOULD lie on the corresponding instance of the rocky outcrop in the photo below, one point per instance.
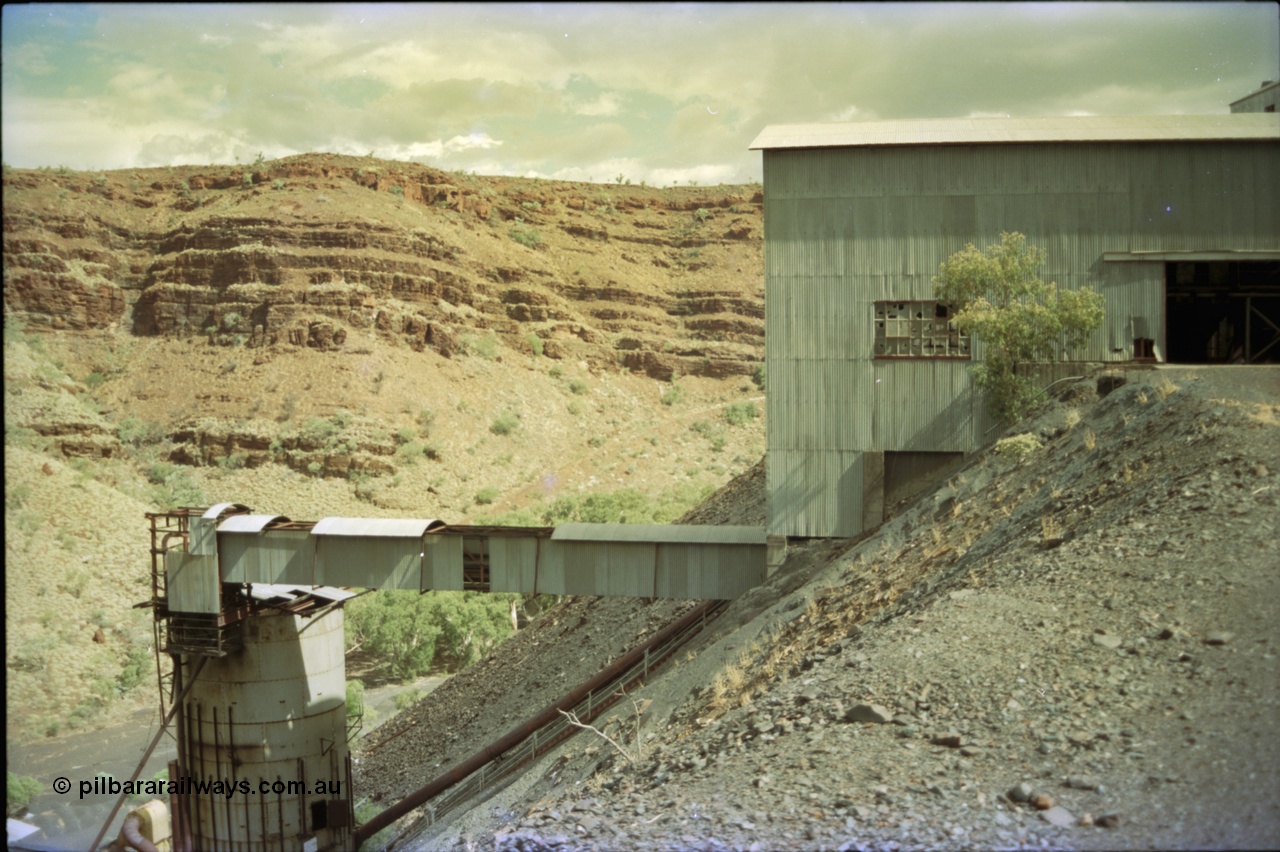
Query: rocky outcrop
(341, 446)
(259, 256)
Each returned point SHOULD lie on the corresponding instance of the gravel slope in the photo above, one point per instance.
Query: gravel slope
(1095, 622)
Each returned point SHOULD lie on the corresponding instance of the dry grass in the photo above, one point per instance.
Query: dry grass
(1049, 528)
(1165, 388)
(1268, 415)
(1090, 440)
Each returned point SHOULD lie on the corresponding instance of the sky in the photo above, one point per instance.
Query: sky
(661, 93)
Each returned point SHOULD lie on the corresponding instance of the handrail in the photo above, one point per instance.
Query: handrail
(547, 728)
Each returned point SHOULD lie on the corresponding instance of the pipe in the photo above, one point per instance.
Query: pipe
(131, 832)
(517, 735)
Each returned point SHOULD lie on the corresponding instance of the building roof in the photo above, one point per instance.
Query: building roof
(661, 533)
(248, 523)
(374, 527)
(1267, 85)
(978, 131)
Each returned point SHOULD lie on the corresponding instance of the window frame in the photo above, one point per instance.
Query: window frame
(919, 330)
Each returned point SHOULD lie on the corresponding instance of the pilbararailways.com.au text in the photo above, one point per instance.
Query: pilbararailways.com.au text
(186, 786)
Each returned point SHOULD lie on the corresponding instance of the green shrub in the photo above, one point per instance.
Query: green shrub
(556, 371)
(712, 432)
(15, 496)
(738, 413)
(595, 442)
(505, 424)
(19, 791)
(483, 347)
(527, 237)
(317, 431)
(234, 461)
(355, 698)
(673, 394)
(426, 421)
(135, 670)
(176, 487)
(578, 386)
(411, 452)
(314, 468)
(406, 434)
(485, 496)
(158, 472)
(137, 432)
(625, 506)
(535, 343)
(408, 698)
(758, 376)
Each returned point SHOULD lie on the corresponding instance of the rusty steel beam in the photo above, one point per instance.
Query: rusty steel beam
(519, 734)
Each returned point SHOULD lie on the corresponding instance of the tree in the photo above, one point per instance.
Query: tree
(1001, 300)
(407, 630)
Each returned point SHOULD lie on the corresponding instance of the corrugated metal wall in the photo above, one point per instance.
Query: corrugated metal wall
(280, 556)
(192, 581)
(641, 568)
(846, 227)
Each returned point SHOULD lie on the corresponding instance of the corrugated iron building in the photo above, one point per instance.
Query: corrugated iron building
(869, 385)
(1265, 99)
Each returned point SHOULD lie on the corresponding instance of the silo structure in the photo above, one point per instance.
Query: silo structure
(269, 723)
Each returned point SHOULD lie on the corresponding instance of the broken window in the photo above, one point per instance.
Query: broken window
(918, 330)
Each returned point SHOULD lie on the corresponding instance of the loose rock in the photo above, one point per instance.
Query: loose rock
(1107, 640)
(868, 713)
(1019, 792)
(1059, 816)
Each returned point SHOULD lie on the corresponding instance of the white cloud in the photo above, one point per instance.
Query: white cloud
(29, 59)
(435, 150)
(850, 113)
(607, 104)
(706, 174)
(472, 140)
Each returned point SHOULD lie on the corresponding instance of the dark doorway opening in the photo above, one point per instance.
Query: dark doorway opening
(1222, 312)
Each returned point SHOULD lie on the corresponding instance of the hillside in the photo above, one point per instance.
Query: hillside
(1084, 615)
(327, 335)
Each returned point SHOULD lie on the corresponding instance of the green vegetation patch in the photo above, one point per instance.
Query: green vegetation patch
(740, 413)
(412, 632)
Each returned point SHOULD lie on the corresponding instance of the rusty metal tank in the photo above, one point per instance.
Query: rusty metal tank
(266, 728)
